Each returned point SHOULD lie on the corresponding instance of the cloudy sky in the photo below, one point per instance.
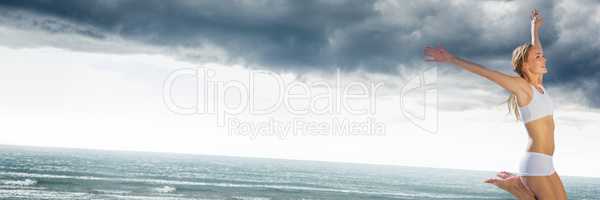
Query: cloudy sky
(92, 74)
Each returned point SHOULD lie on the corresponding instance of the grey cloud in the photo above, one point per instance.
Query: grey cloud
(574, 60)
(376, 36)
(298, 34)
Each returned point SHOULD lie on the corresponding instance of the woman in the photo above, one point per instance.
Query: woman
(531, 103)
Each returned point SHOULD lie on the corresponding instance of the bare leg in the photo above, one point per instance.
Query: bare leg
(558, 187)
(542, 186)
(511, 183)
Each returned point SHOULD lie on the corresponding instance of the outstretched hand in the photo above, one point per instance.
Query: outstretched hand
(438, 54)
(536, 19)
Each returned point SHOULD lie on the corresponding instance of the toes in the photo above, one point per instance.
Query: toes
(507, 173)
(501, 175)
(494, 181)
(504, 175)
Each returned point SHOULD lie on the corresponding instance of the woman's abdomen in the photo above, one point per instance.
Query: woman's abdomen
(541, 135)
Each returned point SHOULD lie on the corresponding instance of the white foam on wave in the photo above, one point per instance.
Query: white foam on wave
(37, 194)
(165, 189)
(26, 182)
(142, 197)
(250, 198)
(412, 194)
(54, 195)
(111, 192)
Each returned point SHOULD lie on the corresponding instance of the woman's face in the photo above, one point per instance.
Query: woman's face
(536, 62)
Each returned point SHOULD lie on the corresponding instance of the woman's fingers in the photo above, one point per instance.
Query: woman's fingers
(439, 49)
(429, 50)
(430, 54)
(442, 50)
(437, 54)
(433, 53)
(535, 14)
(430, 59)
(536, 19)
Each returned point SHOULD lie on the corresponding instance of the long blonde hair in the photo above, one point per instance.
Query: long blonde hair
(519, 56)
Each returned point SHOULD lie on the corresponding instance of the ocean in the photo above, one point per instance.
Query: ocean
(57, 173)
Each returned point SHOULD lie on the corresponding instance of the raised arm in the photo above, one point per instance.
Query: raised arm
(440, 54)
(536, 24)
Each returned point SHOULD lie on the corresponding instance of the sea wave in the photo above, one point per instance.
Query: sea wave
(249, 198)
(26, 182)
(165, 189)
(412, 194)
(37, 194)
(99, 191)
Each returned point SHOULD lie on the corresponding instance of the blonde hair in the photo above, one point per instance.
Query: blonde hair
(519, 56)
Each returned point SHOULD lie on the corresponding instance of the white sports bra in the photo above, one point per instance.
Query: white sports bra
(540, 106)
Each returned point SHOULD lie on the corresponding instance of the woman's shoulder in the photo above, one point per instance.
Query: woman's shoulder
(524, 92)
(521, 82)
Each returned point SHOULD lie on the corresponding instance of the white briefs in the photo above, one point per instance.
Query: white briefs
(536, 164)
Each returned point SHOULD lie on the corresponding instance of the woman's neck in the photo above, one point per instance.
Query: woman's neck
(535, 79)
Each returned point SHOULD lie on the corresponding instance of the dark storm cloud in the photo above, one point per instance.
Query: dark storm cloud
(377, 36)
(298, 34)
(269, 33)
(574, 59)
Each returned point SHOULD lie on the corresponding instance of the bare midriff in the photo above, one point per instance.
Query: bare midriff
(541, 135)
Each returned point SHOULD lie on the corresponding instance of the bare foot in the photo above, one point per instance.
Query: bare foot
(511, 183)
